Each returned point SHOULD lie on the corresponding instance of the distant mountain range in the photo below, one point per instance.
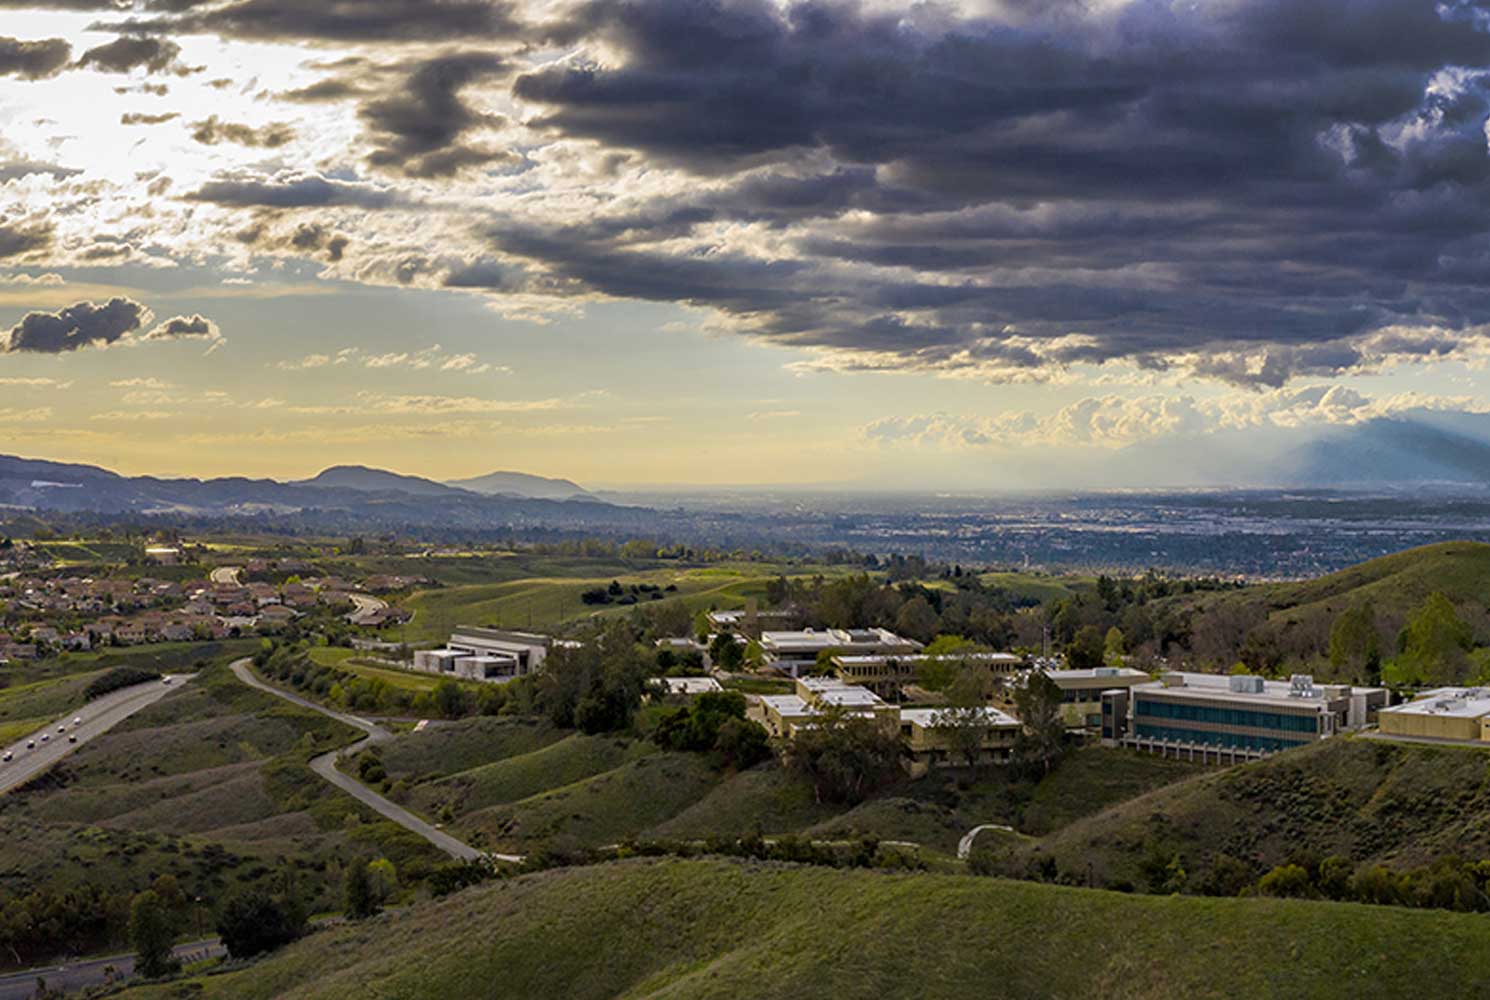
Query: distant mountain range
(339, 495)
(521, 484)
(1432, 447)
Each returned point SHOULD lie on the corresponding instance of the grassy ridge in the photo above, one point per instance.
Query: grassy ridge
(1369, 800)
(1394, 584)
(717, 930)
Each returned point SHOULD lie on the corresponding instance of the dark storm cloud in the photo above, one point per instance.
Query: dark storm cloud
(210, 131)
(420, 128)
(308, 191)
(1265, 183)
(82, 325)
(24, 238)
(388, 22)
(154, 55)
(33, 60)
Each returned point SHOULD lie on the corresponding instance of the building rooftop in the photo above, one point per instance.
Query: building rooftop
(1298, 691)
(691, 685)
(1092, 673)
(852, 659)
(929, 718)
(835, 638)
(1456, 702)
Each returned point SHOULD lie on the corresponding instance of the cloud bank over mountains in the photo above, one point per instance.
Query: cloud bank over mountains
(1138, 196)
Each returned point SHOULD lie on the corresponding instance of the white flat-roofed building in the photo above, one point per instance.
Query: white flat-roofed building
(486, 654)
(1237, 712)
(437, 661)
(1446, 713)
(792, 652)
(1081, 691)
(690, 686)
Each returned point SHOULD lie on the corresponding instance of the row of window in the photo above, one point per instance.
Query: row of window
(1244, 740)
(1227, 716)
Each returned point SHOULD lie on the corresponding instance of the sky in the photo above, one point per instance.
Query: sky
(641, 242)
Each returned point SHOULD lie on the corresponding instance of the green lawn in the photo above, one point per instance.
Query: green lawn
(724, 930)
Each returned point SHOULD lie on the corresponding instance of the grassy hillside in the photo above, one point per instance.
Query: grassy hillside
(605, 809)
(717, 930)
(1399, 804)
(208, 784)
(1298, 615)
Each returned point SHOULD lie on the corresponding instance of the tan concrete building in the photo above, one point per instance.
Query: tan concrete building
(1081, 691)
(1449, 713)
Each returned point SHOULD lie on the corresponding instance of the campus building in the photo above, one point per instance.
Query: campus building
(792, 652)
(486, 654)
(1241, 713)
(1081, 691)
(887, 676)
(749, 621)
(1447, 713)
(925, 733)
(928, 741)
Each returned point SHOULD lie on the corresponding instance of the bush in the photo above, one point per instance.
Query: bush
(254, 922)
(119, 677)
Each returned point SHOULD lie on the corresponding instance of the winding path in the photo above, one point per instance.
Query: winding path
(325, 766)
(225, 574)
(965, 845)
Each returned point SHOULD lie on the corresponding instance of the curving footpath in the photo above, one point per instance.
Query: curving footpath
(965, 845)
(325, 766)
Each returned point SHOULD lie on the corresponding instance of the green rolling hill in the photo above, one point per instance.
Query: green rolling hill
(720, 930)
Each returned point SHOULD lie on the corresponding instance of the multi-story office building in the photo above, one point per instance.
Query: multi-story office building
(1081, 691)
(793, 652)
(887, 675)
(1241, 713)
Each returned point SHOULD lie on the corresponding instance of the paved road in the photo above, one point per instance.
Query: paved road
(366, 604)
(325, 766)
(225, 574)
(965, 845)
(98, 717)
(93, 971)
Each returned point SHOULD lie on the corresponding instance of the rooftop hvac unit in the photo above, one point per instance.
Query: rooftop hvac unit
(1247, 684)
(1302, 686)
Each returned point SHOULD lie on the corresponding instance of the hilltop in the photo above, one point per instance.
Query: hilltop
(1296, 616)
(722, 929)
(521, 484)
(1398, 804)
(362, 478)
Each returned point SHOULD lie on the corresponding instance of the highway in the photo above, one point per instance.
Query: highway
(98, 717)
(325, 766)
(94, 971)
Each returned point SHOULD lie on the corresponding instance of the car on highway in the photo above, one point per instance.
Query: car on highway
(62, 729)
(165, 680)
(30, 744)
(72, 737)
(45, 737)
(7, 757)
(77, 720)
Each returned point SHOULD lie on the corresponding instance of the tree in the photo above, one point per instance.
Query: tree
(726, 651)
(253, 922)
(917, 619)
(151, 934)
(1084, 651)
(846, 757)
(451, 699)
(1038, 705)
(1113, 649)
(1354, 642)
(1432, 646)
(965, 721)
(1289, 881)
(384, 878)
(359, 898)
